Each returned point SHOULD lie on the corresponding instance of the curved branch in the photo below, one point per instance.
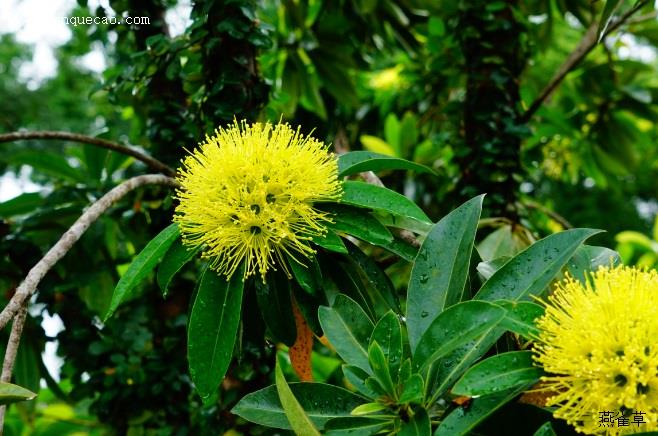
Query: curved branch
(11, 353)
(586, 44)
(151, 162)
(34, 276)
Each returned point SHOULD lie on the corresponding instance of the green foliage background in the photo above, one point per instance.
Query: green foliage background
(442, 83)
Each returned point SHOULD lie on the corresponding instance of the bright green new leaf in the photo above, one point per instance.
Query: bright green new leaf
(369, 196)
(356, 162)
(11, 393)
(299, 421)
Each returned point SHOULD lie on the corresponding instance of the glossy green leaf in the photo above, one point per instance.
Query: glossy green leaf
(588, 258)
(381, 290)
(213, 328)
(520, 317)
(500, 372)
(401, 222)
(275, 306)
(348, 329)
(369, 196)
(357, 378)
(357, 222)
(300, 423)
(413, 390)
(141, 265)
(388, 334)
(21, 204)
(321, 402)
(308, 276)
(330, 241)
(454, 327)
(530, 272)
(441, 268)
(463, 420)
(348, 281)
(11, 393)
(174, 259)
(355, 162)
(380, 369)
(368, 408)
(418, 424)
(606, 17)
(354, 426)
(545, 430)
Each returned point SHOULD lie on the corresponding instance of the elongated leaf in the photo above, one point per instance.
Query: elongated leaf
(529, 272)
(388, 334)
(546, 430)
(213, 329)
(20, 205)
(418, 425)
(380, 369)
(413, 390)
(346, 280)
(142, 265)
(358, 223)
(355, 162)
(321, 402)
(357, 378)
(300, 423)
(375, 197)
(520, 317)
(275, 305)
(354, 426)
(348, 329)
(401, 222)
(382, 292)
(498, 373)
(454, 327)
(463, 420)
(10, 393)
(308, 276)
(441, 268)
(330, 241)
(174, 259)
(607, 15)
(589, 258)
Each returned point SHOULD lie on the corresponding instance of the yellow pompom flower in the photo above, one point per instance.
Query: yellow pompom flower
(247, 194)
(599, 345)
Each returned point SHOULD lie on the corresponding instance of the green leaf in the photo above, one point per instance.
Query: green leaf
(308, 276)
(10, 393)
(520, 317)
(275, 305)
(606, 17)
(463, 420)
(20, 205)
(388, 334)
(357, 378)
(383, 294)
(357, 222)
(354, 426)
(330, 241)
(413, 390)
(369, 196)
(498, 373)
(52, 164)
(356, 162)
(174, 259)
(142, 265)
(589, 258)
(348, 329)
(454, 327)
(546, 430)
(418, 424)
(368, 408)
(343, 275)
(380, 369)
(213, 329)
(441, 268)
(321, 402)
(530, 272)
(299, 421)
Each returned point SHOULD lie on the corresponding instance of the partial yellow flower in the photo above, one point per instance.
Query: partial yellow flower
(599, 343)
(247, 194)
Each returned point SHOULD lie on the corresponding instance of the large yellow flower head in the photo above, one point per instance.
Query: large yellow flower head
(599, 343)
(247, 194)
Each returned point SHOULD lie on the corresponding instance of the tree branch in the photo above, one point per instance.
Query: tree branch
(34, 276)
(584, 47)
(151, 162)
(11, 353)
